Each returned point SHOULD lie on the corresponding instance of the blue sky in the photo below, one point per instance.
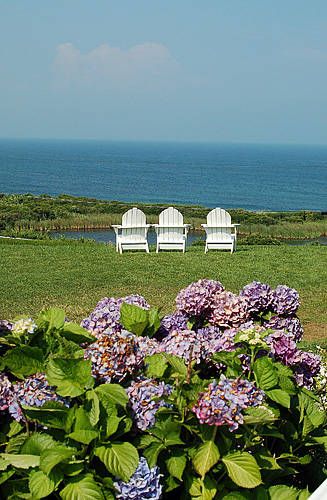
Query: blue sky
(209, 70)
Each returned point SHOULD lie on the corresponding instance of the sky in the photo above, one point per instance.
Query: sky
(181, 70)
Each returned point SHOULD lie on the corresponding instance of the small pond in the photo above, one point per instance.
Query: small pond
(108, 236)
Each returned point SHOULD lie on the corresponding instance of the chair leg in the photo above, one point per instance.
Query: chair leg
(206, 248)
(157, 250)
(147, 248)
(120, 248)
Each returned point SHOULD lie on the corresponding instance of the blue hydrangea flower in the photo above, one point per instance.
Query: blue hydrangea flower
(173, 322)
(144, 484)
(185, 344)
(145, 400)
(6, 392)
(222, 403)
(106, 315)
(33, 391)
(116, 356)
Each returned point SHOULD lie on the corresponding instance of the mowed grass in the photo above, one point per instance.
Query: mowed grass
(75, 275)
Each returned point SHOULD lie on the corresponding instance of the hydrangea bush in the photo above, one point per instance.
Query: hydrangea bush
(216, 400)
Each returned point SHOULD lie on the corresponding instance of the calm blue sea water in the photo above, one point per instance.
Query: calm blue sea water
(255, 177)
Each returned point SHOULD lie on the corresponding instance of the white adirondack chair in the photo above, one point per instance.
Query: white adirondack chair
(171, 230)
(132, 233)
(219, 231)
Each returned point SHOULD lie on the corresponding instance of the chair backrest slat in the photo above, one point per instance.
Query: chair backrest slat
(218, 217)
(169, 219)
(135, 220)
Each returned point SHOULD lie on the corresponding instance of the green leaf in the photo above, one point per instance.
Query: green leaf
(202, 489)
(155, 365)
(243, 469)
(153, 321)
(82, 488)
(70, 376)
(50, 319)
(178, 365)
(15, 443)
(83, 436)
(4, 464)
(15, 428)
(168, 431)
(133, 318)
(265, 373)
(206, 456)
(280, 397)
(176, 463)
(152, 452)
(310, 408)
(259, 415)
(281, 492)
(94, 411)
(21, 461)
(52, 414)
(4, 476)
(42, 485)
(121, 459)
(113, 392)
(23, 361)
(266, 461)
(38, 442)
(77, 334)
(54, 456)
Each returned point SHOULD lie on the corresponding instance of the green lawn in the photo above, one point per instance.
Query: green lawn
(75, 275)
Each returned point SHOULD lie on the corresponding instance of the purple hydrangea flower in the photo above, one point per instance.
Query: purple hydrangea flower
(283, 347)
(258, 297)
(214, 340)
(6, 392)
(144, 400)
(106, 315)
(144, 484)
(306, 369)
(228, 310)
(5, 326)
(185, 344)
(222, 403)
(195, 299)
(285, 300)
(33, 391)
(290, 325)
(118, 355)
(173, 322)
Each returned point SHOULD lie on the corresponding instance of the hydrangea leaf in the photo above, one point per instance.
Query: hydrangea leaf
(202, 489)
(82, 488)
(133, 318)
(115, 393)
(259, 415)
(76, 333)
(70, 376)
(6, 475)
(41, 485)
(152, 452)
(21, 461)
(176, 463)
(279, 396)
(121, 459)
(51, 414)
(206, 456)
(243, 469)
(54, 456)
(23, 361)
(51, 319)
(177, 364)
(153, 321)
(265, 373)
(38, 442)
(281, 492)
(94, 411)
(83, 436)
(155, 365)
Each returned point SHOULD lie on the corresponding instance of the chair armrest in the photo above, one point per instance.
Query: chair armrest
(116, 226)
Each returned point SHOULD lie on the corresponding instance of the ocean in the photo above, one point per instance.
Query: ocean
(254, 177)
